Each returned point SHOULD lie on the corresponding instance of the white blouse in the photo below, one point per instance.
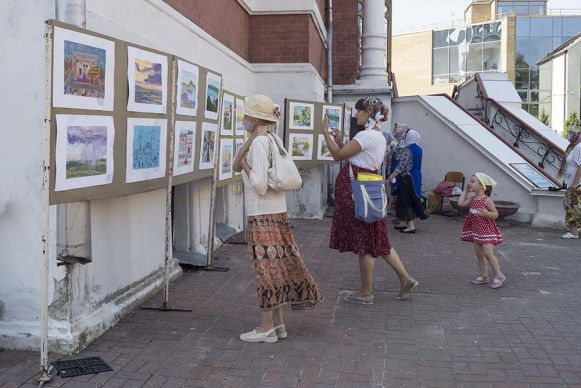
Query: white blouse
(258, 197)
(573, 163)
(373, 146)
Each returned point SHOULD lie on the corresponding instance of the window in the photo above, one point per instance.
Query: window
(571, 26)
(541, 26)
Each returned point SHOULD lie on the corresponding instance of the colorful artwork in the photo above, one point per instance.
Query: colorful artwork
(301, 146)
(208, 145)
(213, 82)
(323, 152)
(187, 89)
(184, 150)
(147, 74)
(335, 116)
(146, 149)
(239, 127)
(226, 159)
(83, 71)
(227, 115)
(301, 115)
(239, 144)
(84, 151)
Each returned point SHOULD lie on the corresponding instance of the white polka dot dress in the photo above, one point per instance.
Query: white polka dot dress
(479, 229)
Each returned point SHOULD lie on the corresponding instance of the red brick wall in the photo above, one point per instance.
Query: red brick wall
(225, 20)
(317, 51)
(344, 41)
(322, 4)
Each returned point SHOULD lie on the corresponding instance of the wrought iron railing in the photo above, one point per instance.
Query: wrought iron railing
(546, 155)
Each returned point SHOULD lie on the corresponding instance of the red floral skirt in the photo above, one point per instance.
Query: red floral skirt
(280, 274)
(348, 234)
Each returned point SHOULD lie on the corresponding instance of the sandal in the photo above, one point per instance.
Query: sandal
(400, 227)
(405, 293)
(281, 331)
(359, 299)
(480, 280)
(566, 236)
(498, 281)
(268, 336)
(409, 231)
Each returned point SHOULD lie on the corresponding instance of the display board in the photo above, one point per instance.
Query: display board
(231, 138)
(532, 175)
(111, 116)
(303, 131)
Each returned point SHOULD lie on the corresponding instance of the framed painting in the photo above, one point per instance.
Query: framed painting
(226, 159)
(83, 71)
(147, 77)
(239, 128)
(335, 116)
(187, 89)
(227, 115)
(323, 152)
(84, 151)
(301, 146)
(208, 146)
(238, 144)
(184, 147)
(213, 85)
(146, 149)
(301, 116)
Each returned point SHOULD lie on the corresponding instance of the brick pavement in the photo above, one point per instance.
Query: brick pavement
(527, 334)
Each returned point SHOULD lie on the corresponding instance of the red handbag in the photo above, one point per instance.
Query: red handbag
(445, 188)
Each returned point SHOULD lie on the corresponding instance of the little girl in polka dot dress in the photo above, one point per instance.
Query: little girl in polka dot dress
(480, 228)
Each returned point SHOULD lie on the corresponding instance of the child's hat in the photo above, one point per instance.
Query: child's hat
(485, 180)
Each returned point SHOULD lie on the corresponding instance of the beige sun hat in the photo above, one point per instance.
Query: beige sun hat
(261, 107)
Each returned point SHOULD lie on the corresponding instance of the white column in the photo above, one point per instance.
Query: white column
(373, 66)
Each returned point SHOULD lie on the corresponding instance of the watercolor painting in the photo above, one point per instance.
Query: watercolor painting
(239, 128)
(83, 71)
(147, 73)
(146, 149)
(208, 145)
(84, 151)
(323, 152)
(226, 159)
(227, 115)
(213, 82)
(239, 143)
(184, 147)
(334, 115)
(301, 115)
(301, 146)
(187, 97)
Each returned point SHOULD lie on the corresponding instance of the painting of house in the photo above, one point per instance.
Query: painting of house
(84, 70)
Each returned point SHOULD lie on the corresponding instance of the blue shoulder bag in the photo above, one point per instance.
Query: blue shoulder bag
(370, 199)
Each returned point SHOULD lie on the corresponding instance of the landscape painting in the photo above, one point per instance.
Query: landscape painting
(184, 150)
(239, 144)
(147, 74)
(226, 159)
(323, 152)
(82, 71)
(239, 128)
(187, 97)
(301, 115)
(84, 151)
(146, 149)
(227, 115)
(335, 116)
(301, 146)
(213, 82)
(208, 145)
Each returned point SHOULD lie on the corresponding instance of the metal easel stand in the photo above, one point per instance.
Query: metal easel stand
(168, 204)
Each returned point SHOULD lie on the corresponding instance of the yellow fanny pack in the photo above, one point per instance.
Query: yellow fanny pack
(368, 176)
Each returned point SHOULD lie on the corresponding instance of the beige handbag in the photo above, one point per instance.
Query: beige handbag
(283, 174)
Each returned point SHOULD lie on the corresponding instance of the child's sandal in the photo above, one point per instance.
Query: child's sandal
(498, 281)
(480, 280)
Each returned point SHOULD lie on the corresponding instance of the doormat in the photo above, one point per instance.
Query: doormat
(81, 366)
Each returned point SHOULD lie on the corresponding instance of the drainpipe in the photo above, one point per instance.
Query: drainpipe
(330, 51)
(72, 12)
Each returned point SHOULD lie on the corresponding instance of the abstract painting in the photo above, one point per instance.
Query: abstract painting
(187, 89)
(146, 149)
(208, 145)
(147, 77)
(82, 71)
(213, 82)
(226, 159)
(239, 127)
(323, 152)
(301, 115)
(301, 146)
(227, 115)
(84, 151)
(184, 147)
(335, 116)
(239, 144)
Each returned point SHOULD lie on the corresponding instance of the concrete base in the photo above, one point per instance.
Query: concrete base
(66, 337)
(310, 202)
(550, 211)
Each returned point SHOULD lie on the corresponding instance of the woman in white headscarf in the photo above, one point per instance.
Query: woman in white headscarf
(408, 176)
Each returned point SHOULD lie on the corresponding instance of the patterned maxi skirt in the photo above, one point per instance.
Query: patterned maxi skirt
(280, 274)
(572, 204)
(348, 234)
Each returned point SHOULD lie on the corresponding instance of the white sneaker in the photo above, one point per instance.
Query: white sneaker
(254, 336)
(569, 236)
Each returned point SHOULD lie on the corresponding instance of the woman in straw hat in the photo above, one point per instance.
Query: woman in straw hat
(280, 274)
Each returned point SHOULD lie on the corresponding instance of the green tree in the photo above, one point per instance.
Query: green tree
(544, 117)
(572, 121)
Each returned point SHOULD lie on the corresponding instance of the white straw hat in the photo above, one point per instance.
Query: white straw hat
(261, 107)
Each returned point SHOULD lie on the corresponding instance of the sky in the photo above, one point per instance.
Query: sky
(416, 13)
